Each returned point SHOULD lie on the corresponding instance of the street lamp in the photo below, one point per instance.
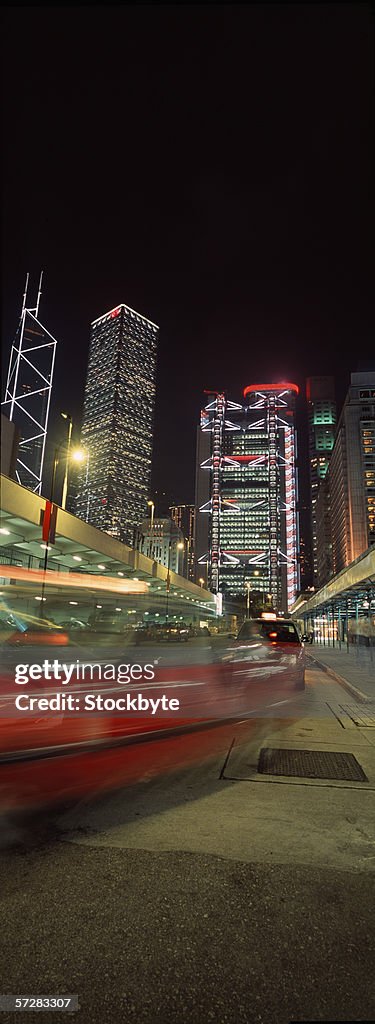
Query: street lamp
(183, 546)
(248, 588)
(151, 506)
(79, 456)
(201, 581)
(66, 416)
(76, 456)
(179, 546)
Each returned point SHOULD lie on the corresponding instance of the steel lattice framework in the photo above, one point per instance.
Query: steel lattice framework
(253, 481)
(28, 391)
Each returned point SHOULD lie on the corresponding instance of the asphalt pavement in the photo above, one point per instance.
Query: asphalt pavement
(205, 891)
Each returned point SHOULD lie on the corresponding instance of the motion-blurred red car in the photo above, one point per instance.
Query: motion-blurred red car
(39, 635)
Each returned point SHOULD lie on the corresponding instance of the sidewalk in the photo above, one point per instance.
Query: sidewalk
(356, 666)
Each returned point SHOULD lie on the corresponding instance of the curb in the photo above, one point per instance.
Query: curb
(358, 694)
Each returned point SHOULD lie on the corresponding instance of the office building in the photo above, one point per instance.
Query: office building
(163, 541)
(184, 517)
(321, 404)
(352, 474)
(117, 430)
(324, 559)
(247, 532)
(305, 546)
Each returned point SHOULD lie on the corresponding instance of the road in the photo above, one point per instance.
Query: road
(205, 891)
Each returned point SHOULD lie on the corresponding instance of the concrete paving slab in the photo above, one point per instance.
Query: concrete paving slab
(308, 733)
(252, 818)
(353, 668)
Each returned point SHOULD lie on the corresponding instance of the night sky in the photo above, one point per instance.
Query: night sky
(211, 167)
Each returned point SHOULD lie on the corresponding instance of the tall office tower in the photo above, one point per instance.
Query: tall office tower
(305, 545)
(324, 532)
(202, 500)
(28, 391)
(247, 493)
(184, 517)
(117, 430)
(321, 403)
(352, 474)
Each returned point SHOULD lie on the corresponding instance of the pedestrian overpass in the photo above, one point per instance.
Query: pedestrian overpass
(81, 548)
(344, 609)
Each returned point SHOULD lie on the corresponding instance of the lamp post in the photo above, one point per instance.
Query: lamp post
(179, 546)
(66, 416)
(78, 456)
(248, 588)
(183, 545)
(187, 571)
(151, 506)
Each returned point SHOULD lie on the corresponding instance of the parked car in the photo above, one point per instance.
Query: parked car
(177, 633)
(162, 633)
(266, 651)
(73, 624)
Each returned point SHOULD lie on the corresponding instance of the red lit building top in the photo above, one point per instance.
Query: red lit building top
(279, 386)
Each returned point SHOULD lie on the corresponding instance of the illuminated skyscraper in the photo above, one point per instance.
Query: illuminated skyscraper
(117, 430)
(320, 394)
(352, 474)
(247, 522)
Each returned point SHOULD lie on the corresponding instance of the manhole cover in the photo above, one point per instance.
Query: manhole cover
(310, 764)
(364, 717)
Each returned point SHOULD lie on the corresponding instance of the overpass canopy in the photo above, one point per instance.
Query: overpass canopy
(82, 548)
(352, 588)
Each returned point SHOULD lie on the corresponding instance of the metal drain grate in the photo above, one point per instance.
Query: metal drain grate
(310, 764)
(364, 716)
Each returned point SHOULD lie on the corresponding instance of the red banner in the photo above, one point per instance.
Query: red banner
(49, 523)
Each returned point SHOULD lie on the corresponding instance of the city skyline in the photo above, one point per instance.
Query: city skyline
(187, 513)
(175, 495)
(236, 216)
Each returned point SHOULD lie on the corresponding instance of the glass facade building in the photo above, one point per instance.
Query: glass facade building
(248, 520)
(321, 404)
(117, 430)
